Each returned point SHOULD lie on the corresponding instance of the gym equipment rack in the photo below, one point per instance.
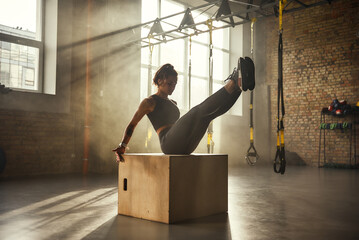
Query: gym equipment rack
(352, 138)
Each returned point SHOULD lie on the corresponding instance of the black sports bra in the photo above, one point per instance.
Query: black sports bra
(165, 113)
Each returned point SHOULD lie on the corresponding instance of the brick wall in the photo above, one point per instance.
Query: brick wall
(321, 63)
(37, 143)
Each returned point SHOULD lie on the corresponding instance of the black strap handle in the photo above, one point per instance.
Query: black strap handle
(279, 160)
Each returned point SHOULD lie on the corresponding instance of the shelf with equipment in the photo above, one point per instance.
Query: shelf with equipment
(345, 121)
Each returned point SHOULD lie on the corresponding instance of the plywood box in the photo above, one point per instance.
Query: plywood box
(172, 188)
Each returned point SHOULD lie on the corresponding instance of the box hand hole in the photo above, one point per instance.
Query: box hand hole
(125, 184)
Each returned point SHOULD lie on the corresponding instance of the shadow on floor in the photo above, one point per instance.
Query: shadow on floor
(123, 227)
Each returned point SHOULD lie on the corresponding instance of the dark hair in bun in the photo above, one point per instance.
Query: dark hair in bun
(164, 72)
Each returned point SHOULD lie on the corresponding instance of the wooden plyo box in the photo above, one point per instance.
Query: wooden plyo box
(172, 188)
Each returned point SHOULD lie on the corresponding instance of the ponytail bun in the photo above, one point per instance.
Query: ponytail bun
(164, 72)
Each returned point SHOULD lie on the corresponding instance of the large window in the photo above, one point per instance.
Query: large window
(177, 53)
(21, 45)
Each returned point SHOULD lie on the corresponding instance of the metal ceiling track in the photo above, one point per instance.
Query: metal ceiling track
(248, 10)
(266, 8)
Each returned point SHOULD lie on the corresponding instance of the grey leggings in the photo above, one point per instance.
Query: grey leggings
(184, 136)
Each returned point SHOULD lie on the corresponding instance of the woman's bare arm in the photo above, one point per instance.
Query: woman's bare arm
(146, 106)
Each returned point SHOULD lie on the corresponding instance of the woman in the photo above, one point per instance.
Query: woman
(182, 135)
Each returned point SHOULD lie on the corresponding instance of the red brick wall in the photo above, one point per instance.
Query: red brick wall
(321, 63)
(37, 143)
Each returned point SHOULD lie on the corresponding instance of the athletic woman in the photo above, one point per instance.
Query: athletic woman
(182, 135)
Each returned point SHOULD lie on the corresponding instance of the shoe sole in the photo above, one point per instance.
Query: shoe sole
(246, 67)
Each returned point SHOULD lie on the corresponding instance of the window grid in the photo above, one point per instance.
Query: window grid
(200, 66)
(21, 53)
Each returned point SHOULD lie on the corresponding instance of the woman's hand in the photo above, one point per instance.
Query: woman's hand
(119, 151)
(146, 106)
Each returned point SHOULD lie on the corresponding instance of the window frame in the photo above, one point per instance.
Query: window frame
(39, 44)
(156, 61)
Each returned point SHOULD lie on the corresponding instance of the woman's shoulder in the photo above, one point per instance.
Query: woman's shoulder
(148, 103)
(151, 99)
(173, 101)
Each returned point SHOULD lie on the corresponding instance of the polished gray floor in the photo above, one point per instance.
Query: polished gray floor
(305, 203)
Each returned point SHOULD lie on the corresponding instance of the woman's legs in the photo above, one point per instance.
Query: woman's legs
(178, 139)
(226, 105)
(184, 136)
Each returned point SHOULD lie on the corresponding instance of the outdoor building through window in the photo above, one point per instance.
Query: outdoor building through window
(21, 45)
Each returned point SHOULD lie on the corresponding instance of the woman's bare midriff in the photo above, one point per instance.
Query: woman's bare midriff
(163, 128)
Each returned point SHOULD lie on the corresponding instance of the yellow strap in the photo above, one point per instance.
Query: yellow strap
(209, 138)
(281, 4)
(282, 137)
(209, 23)
(278, 141)
(252, 34)
(251, 134)
(150, 45)
(149, 136)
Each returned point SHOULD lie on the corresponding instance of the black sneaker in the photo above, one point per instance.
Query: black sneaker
(246, 66)
(234, 77)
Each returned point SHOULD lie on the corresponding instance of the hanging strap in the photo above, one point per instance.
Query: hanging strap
(251, 155)
(210, 143)
(279, 161)
(149, 85)
(190, 72)
(150, 47)
(210, 27)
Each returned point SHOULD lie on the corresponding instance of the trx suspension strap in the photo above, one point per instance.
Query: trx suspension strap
(210, 143)
(251, 152)
(279, 161)
(190, 72)
(149, 84)
(150, 46)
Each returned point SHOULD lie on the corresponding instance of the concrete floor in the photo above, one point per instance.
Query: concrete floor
(305, 203)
